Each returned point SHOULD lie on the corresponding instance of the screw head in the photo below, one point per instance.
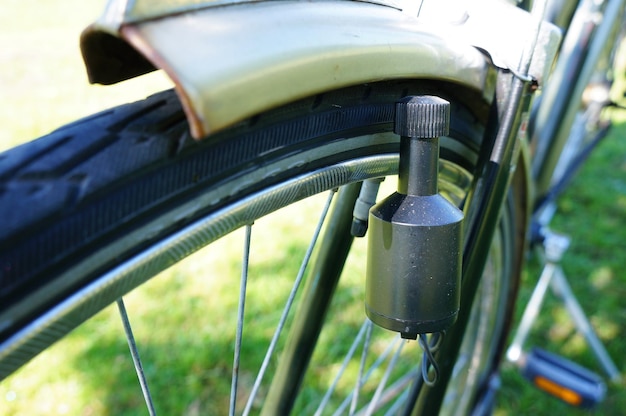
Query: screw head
(423, 117)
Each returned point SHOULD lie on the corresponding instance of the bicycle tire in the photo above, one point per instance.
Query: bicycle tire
(100, 192)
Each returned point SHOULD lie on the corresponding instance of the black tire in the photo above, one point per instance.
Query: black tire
(106, 192)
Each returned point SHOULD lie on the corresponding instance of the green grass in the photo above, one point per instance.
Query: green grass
(43, 85)
(593, 213)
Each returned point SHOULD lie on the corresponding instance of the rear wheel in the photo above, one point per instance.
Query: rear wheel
(102, 205)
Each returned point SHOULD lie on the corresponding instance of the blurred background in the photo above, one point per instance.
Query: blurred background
(43, 85)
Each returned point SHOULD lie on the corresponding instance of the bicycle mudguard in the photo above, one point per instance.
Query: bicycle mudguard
(234, 61)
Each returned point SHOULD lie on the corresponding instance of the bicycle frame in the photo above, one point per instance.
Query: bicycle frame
(587, 42)
(335, 44)
(230, 60)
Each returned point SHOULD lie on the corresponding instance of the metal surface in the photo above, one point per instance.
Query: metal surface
(415, 235)
(488, 198)
(554, 247)
(134, 353)
(121, 12)
(502, 39)
(484, 209)
(242, 58)
(229, 63)
(292, 296)
(243, 285)
(60, 320)
(590, 35)
(323, 277)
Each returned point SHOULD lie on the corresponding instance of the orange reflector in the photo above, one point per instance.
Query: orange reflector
(565, 394)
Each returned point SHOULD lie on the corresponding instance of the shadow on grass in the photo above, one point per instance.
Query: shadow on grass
(188, 376)
(185, 335)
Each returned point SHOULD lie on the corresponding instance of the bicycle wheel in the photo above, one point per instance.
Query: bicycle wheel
(100, 206)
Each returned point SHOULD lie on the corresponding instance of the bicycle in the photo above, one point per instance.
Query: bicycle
(266, 168)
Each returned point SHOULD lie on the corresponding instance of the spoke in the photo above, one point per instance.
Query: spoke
(240, 318)
(135, 354)
(346, 361)
(373, 406)
(394, 392)
(379, 361)
(397, 405)
(290, 300)
(360, 381)
(389, 394)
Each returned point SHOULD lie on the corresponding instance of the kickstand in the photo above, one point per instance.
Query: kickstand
(552, 249)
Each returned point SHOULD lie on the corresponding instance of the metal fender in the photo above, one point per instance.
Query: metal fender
(234, 61)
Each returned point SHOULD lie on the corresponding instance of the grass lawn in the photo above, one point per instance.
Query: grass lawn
(43, 85)
(593, 213)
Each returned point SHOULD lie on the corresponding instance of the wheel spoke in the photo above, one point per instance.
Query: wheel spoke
(298, 151)
(383, 395)
(394, 391)
(290, 300)
(357, 340)
(240, 318)
(134, 352)
(363, 379)
(401, 399)
(360, 381)
(378, 395)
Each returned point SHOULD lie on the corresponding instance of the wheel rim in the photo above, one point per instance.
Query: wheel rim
(127, 276)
